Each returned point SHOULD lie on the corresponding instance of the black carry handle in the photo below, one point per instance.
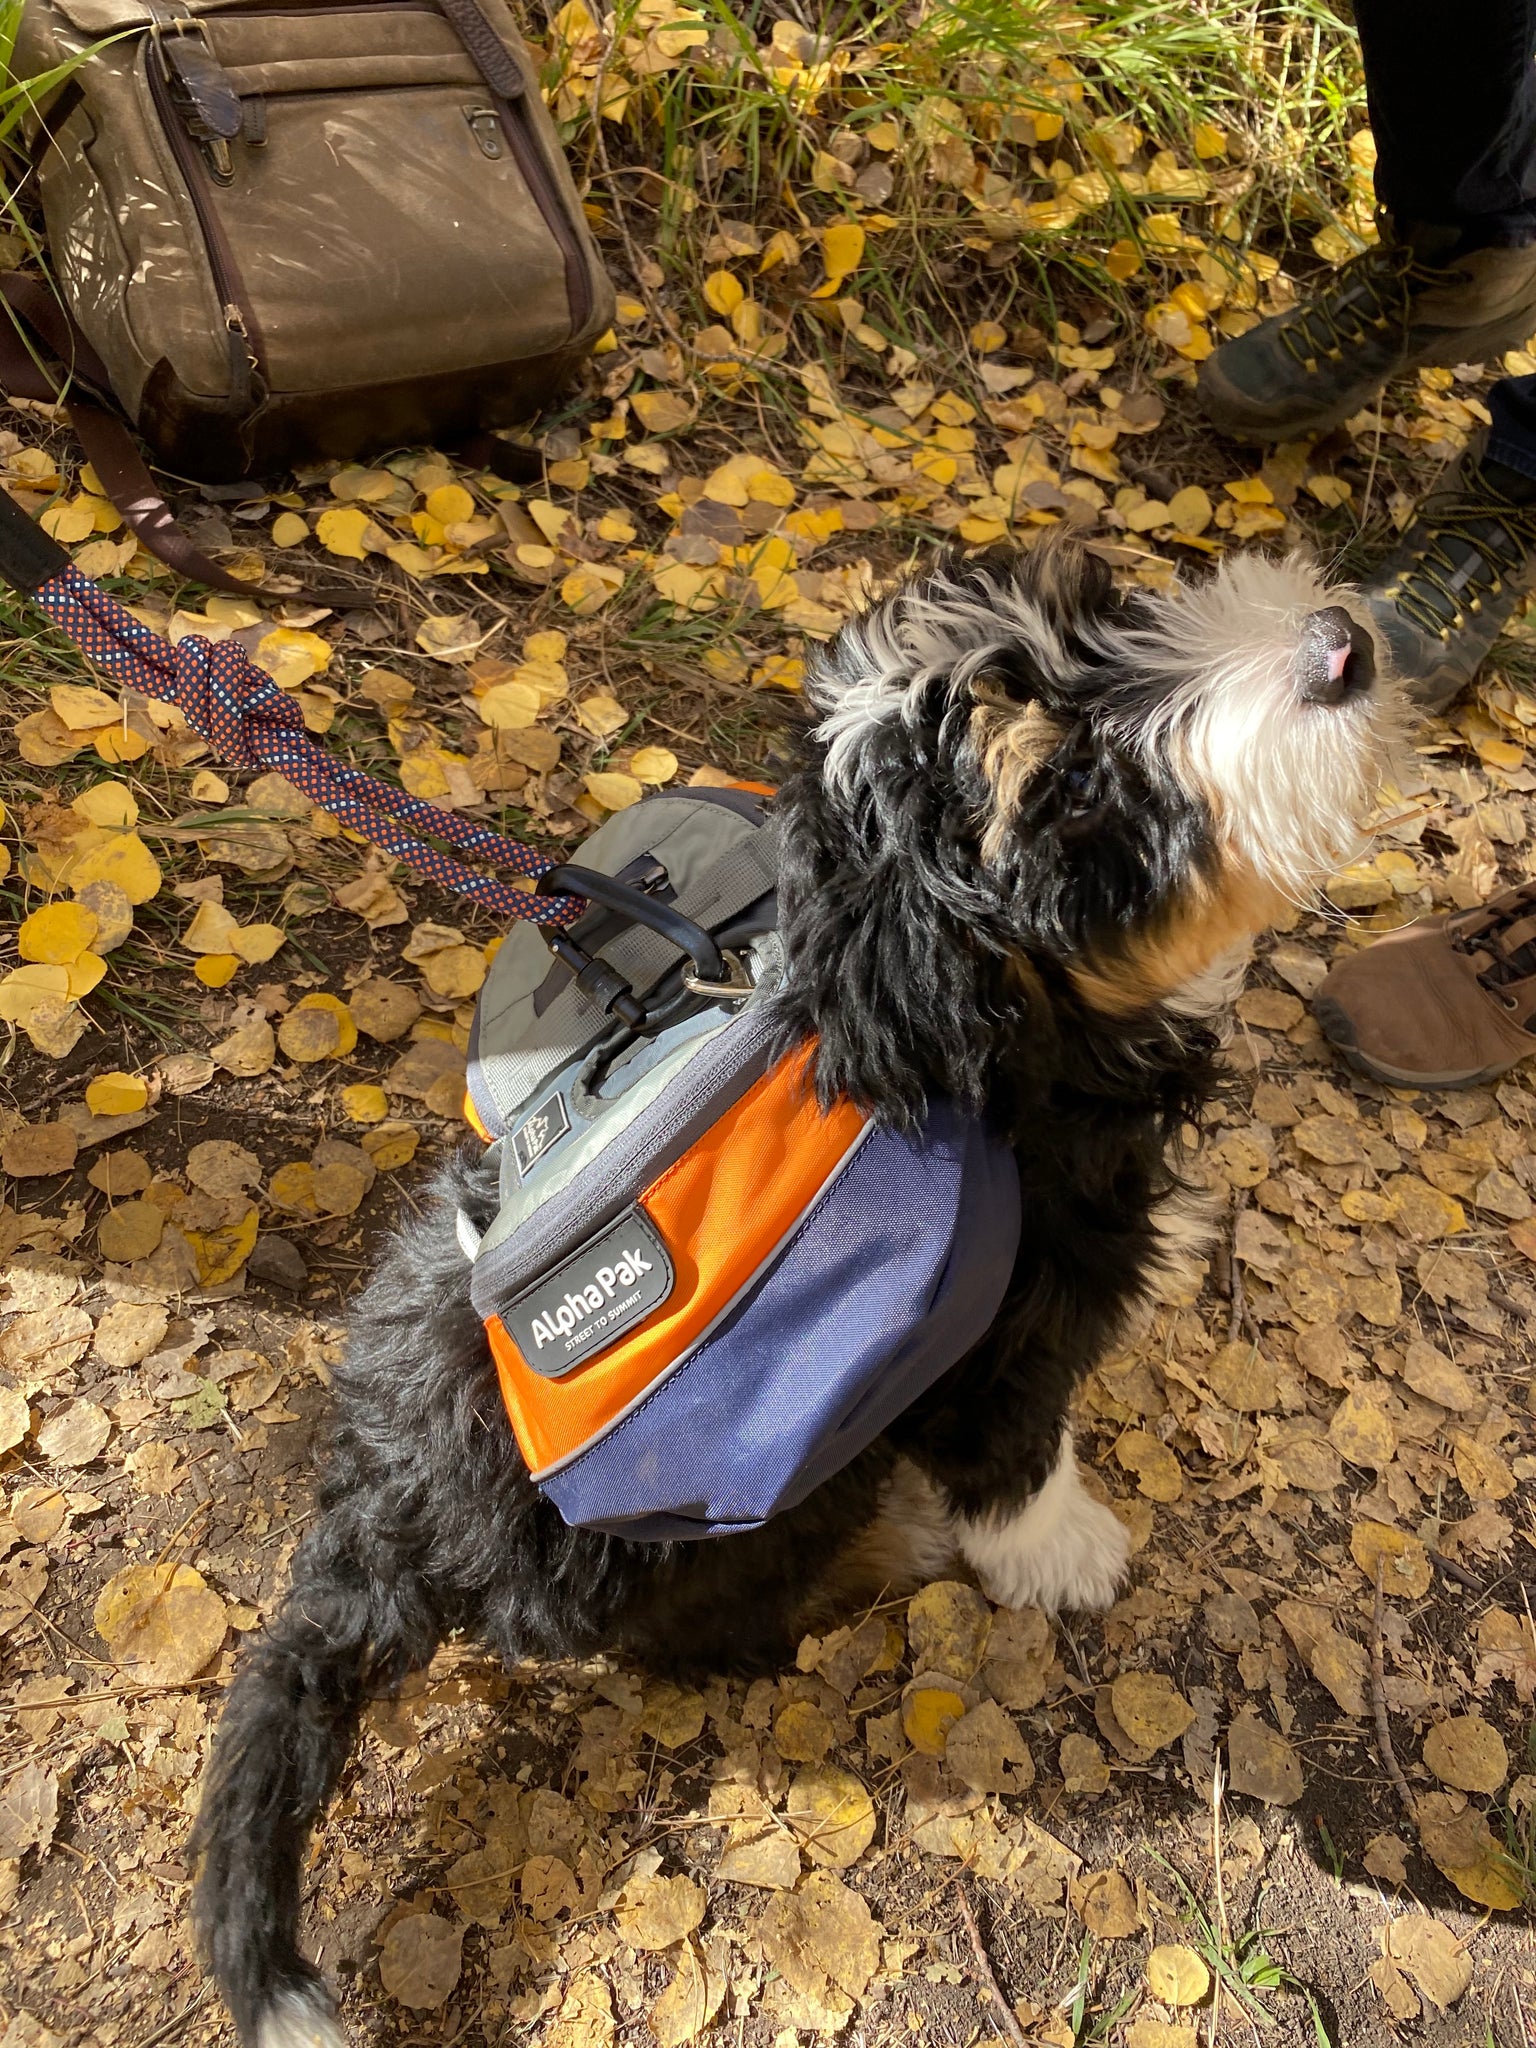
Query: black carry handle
(688, 937)
(603, 984)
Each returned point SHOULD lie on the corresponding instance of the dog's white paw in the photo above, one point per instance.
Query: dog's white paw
(301, 2016)
(1064, 1549)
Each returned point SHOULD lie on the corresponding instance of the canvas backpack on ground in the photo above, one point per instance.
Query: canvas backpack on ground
(703, 1294)
(287, 232)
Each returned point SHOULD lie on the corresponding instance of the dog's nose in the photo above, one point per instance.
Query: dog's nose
(1336, 660)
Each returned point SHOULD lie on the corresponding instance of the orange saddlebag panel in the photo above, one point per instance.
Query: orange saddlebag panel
(721, 1210)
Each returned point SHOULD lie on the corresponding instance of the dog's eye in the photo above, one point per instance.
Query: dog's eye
(1079, 782)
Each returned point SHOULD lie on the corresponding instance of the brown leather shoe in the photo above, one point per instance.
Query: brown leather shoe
(1443, 1003)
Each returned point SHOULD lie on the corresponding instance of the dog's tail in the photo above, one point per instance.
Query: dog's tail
(288, 1725)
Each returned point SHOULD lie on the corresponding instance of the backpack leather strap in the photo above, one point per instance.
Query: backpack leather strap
(493, 60)
(109, 447)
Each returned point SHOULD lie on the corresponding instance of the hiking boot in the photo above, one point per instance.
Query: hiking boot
(1397, 307)
(1440, 1004)
(1445, 593)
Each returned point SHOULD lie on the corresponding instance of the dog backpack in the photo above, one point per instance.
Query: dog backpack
(704, 1295)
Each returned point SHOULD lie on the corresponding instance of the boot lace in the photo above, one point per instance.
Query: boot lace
(1467, 545)
(1372, 292)
(1500, 939)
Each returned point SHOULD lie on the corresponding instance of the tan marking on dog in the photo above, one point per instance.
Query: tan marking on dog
(1210, 920)
(1015, 743)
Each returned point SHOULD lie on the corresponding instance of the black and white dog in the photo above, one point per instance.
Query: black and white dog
(1030, 837)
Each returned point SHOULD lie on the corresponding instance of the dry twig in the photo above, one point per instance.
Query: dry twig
(1379, 1701)
(1240, 1318)
(1015, 2032)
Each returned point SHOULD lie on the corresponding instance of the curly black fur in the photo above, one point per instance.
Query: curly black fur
(922, 968)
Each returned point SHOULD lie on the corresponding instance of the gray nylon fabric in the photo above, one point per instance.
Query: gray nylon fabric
(717, 862)
(618, 1125)
(621, 1159)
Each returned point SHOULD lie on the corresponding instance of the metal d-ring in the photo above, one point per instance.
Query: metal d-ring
(736, 990)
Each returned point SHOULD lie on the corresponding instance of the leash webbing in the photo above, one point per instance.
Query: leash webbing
(239, 709)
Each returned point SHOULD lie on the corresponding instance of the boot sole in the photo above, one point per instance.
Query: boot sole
(1336, 1026)
(1215, 392)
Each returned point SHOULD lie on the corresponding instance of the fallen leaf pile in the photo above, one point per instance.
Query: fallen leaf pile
(876, 289)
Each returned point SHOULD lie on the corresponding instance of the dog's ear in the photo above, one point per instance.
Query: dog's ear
(1066, 587)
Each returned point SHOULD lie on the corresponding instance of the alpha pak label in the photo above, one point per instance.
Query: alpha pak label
(587, 1303)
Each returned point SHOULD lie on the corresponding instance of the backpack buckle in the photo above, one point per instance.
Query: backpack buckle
(201, 89)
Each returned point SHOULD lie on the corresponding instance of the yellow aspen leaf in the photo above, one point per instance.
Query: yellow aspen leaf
(114, 744)
(291, 656)
(107, 804)
(601, 714)
(780, 247)
(1123, 260)
(56, 934)
(772, 570)
(289, 530)
(832, 1813)
(221, 1252)
(780, 672)
(84, 974)
(654, 765)
(116, 1094)
(1157, 1470)
(589, 587)
(391, 1146)
(216, 970)
(365, 1102)
(510, 706)
(1209, 140)
(456, 971)
(928, 1712)
(449, 503)
(212, 930)
(26, 989)
(82, 709)
(340, 530)
(1190, 510)
(69, 523)
(842, 251)
(318, 1027)
(162, 1620)
(1467, 1752)
(987, 336)
(1150, 1708)
(723, 293)
(614, 791)
(660, 412)
(292, 1187)
(1402, 1558)
(257, 942)
(1176, 1975)
(548, 644)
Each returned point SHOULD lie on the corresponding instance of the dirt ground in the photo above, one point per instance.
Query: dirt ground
(1258, 1801)
(1368, 1393)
